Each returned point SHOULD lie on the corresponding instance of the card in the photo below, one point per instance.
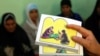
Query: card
(52, 32)
(49, 51)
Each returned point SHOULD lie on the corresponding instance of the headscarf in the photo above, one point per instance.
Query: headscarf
(30, 7)
(6, 17)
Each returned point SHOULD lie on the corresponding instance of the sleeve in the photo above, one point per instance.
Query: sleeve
(78, 17)
(92, 25)
(88, 23)
(27, 45)
(32, 36)
(25, 39)
(2, 53)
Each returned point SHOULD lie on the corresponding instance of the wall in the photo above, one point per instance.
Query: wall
(14, 6)
(83, 7)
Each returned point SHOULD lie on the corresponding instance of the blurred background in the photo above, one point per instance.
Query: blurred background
(52, 7)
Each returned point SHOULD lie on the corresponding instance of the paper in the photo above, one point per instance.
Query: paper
(55, 36)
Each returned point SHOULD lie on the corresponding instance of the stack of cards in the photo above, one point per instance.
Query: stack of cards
(54, 37)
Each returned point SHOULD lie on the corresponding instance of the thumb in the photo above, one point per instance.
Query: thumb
(79, 40)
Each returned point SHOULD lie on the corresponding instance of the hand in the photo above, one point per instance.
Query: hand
(89, 42)
(9, 51)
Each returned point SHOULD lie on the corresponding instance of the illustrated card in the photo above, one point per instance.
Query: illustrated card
(52, 32)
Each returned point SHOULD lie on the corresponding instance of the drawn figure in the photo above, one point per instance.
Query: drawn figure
(48, 32)
(64, 38)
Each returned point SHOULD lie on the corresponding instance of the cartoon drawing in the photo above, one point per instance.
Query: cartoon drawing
(53, 33)
(61, 51)
(48, 32)
(54, 36)
(64, 38)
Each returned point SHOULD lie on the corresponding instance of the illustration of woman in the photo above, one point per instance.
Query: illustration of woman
(48, 32)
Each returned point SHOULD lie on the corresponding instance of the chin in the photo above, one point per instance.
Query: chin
(11, 31)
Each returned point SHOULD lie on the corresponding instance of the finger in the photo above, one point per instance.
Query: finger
(80, 29)
(79, 40)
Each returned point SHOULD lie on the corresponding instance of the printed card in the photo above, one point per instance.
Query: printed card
(55, 36)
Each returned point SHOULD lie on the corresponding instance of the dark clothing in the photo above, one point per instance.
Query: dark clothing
(94, 26)
(73, 16)
(93, 22)
(15, 40)
(64, 38)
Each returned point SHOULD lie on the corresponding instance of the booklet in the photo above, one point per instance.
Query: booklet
(53, 33)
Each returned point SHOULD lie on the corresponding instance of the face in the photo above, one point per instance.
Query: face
(10, 25)
(66, 10)
(33, 15)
